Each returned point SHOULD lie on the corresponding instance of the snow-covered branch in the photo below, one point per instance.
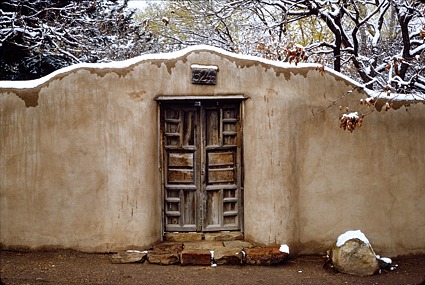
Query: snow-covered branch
(37, 37)
(377, 42)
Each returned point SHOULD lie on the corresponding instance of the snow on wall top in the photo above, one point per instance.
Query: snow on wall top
(27, 84)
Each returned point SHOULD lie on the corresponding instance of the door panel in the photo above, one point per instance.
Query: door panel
(222, 168)
(180, 159)
(201, 166)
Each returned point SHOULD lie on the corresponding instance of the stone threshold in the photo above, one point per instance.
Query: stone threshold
(194, 236)
(208, 249)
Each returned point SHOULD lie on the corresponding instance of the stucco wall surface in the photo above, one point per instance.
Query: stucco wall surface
(80, 157)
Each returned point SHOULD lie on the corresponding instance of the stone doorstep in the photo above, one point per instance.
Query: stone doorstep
(163, 257)
(238, 244)
(165, 253)
(194, 236)
(199, 253)
(229, 256)
(180, 237)
(223, 236)
(168, 246)
(195, 257)
(233, 256)
(208, 245)
(264, 256)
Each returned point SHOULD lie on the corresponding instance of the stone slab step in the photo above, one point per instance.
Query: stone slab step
(193, 236)
(165, 253)
(183, 237)
(195, 257)
(234, 252)
(163, 257)
(169, 246)
(265, 256)
(209, 245)
(238, 244)
(223, 236)
(228, 256)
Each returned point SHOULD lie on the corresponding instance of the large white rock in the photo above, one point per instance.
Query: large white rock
(354, 255)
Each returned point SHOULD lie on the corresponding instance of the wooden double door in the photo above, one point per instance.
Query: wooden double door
(201, 145)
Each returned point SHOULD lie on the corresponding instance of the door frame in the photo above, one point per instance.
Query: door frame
(198, 101)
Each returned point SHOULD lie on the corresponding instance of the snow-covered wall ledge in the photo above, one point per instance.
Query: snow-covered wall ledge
(79, 156)
(379, 98)
(245, 60)
(27, 90)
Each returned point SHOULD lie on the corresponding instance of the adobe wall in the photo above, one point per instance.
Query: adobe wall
(80, 157)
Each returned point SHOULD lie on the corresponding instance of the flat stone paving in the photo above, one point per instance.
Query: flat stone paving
(204, 249)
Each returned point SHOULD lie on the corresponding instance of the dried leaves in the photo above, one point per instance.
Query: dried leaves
(321, 69)
(349, 121)
(292, 53)
(368, 102)
(295, 54)
(165, 20)
(388, 106)
(269, 51)
(422, 33)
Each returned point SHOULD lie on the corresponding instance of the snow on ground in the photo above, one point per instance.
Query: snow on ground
(385, 259)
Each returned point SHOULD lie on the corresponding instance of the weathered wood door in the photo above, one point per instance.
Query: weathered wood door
(201, 163)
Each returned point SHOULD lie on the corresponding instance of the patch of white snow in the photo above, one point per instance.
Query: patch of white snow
(385, 259)
(167, 56)
(134, 251)
(342, 239)
(352, 115)
(395, 96)
(198, 66)
(284, 248)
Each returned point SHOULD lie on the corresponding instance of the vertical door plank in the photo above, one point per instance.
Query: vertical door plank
(212, 129)
(180, 171)
(222, 178)
(214, 210)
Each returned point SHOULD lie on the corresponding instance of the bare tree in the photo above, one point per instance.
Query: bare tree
(40, 36)
(379, 42)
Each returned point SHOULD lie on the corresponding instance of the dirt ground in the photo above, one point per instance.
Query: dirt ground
(71, 267)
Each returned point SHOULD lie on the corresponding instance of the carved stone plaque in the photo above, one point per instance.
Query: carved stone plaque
(203, 74)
